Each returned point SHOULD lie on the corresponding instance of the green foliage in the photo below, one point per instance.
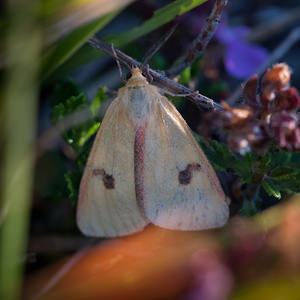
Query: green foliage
(77, 136)
(64, 49)
(160, 17)
(277, 171)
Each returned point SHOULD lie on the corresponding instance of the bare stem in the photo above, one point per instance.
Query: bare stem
(279, 52)
(199, 44)
(158, 77)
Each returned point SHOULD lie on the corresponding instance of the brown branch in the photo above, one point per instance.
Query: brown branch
(158, 77)
(199, 44)
(279, 52)
(50, 136)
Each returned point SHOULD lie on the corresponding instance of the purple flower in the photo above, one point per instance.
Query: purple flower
(241, 58)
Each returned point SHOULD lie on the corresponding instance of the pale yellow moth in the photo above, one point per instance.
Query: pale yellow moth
(146, 167)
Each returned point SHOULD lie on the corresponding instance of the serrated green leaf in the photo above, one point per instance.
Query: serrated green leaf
(291, 185)
(85, 135)
(73, 182)
(266, 161)
(223, 159)
(82, 155)
(283, 173)
(68, 106)
(63, 90)
(244, 166)
(271, 188)
(280, 158)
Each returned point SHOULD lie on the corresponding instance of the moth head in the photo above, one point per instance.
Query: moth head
(136, 79)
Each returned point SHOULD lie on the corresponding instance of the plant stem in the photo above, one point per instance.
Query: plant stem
(23, 41)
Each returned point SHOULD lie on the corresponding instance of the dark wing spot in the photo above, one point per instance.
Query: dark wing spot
(108, 180)
(185, 176)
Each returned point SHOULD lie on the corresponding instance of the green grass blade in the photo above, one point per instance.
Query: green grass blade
(22, 45)
(64, 49)
(160, 17)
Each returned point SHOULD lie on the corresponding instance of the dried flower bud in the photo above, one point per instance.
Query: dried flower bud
(264, 117)
(236, 117)
(274, 80)
(286, 128)
(253, 136)
(250, 92)
(288, 99)
(279, 75)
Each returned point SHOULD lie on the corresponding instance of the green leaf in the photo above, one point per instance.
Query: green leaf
(295, 159)
(279, 158)
(96, 103)
(215, 88)
(70, 105)
(291, 185)
(244, 166)
(64, 49)
(185, 76)
(271, 188)
(283, 173)
(73, 182)
(248, 209)
(82, 155)
(86, 134)
(159, 18)
(65, 89)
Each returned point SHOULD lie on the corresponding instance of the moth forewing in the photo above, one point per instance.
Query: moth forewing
(181, 189)
(107, 204)
(145, 165)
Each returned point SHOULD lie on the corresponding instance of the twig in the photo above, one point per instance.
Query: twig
(267, 30)
(201, 41)
(280, 51)
(150, 53)
(159, 77)
(51, 135)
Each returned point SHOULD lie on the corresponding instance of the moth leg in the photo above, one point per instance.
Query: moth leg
(118, 64)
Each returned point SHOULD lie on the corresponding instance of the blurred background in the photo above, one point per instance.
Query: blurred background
(48, 72)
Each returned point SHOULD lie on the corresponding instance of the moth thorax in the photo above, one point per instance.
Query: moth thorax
(136, 79)
(139, 102)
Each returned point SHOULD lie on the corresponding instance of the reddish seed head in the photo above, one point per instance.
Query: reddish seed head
(250, 91)
(279, 76)
(286, 128)
(288, 99)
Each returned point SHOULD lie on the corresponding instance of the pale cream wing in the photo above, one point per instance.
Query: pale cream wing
(181, 190)
(107, 203)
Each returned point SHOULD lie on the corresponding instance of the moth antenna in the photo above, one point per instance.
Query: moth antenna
(118, 63)
(150, 53)
(149, 77)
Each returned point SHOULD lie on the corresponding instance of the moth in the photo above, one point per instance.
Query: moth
(145, 167)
